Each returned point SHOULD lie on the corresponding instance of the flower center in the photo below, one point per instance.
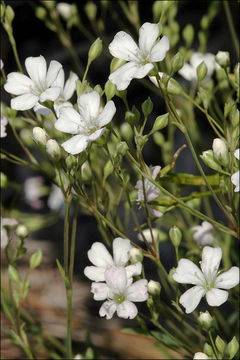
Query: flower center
(119, 298)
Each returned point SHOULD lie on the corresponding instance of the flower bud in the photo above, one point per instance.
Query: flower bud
(156, 9)
(205, 320)
(131, 118)
(13, 274)
(223, 58)
(201, 71)
(98, 89)
(115, 64)
(52, 148)
(71, 161)
(160, 123)
(233, 347)
(95, 50)
(208, 350)
(158, 138)
(154, 287)
(175, 236)
(177, 62)
(64, 9)
(9, 14)
(200, 356)
(40, 12)
(204, 96)
(141, 140)
(91, 10)
(126, 131)
(220, 344)
(39, 135)
(135, 255)
(4, 180)
(188, 34)
(122, 148)
(35, 259)
(86, 171)
(110, 90)
(208, 158)
(148, 236)
(220, 151)
(170, 276)
(108, 169)
(147, 107)
(21, 231)
(173, 87)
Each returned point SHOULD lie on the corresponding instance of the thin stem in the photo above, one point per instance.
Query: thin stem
(66, 233)
(231, 27)
(212, 342)
(69, 323)
(73, 242)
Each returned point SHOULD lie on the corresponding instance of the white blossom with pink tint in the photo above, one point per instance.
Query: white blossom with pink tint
(32, 191)
(119, 293)
(4, 122)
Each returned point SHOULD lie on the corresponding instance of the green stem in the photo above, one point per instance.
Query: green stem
(69, 323)
(212, 342)
(231, 27)
(73, 242)
(66, 233)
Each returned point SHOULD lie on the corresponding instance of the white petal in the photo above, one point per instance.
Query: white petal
(18, 84)
(69, 121)
(191, 298)
(211, 258)
(148, 34)
(155, 171)
(237, 154)
(42, 109)
(127, 310)
(188, 72)
(57, 107)
(107, 114)
(70, 86)
(133, 270)
(121, 248)
(53, 71)
(37, 68)
(88, 105)
(188, 273)
(99, 255)
(196, 59)
(143, 71)
(235, 180)
(116, 279)
(50, 94)
(76, 144)
(228, 279)
(24, 102)
(59, 81)
(99, 290)
(159, 50)
(216, 297)
(95, 273)
(137, 292)
(94, 136)
(200, 356)
(107, 309)
(123, 75)
(124, 47)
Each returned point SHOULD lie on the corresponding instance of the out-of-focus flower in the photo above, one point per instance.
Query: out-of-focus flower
(53, 148)
(235, 178)
(87, 125)
(6, 223)
(154, 287)
(39, 135)
(32, 191)
(55, 199)
(4, 122)
(203, 234)
(140, 58)
(37, 87)
(148, 236)
(220, 151)
(119, 293)
(189, 70)
(223, 58)
(1, 64)
(102, 260)
(200, 356)
(64, 10)
(207, 282)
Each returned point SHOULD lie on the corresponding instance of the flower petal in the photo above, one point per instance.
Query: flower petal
(143, 71)
(116, 279)
(216, 297)
(237, 154)
(159, 50)
(133, 269)
(95, 273)
(50, 94)
(99, 290)
(155, 171)
(99, 255)
(235, 180)
(18, 84)
(148, 34)
(124, 47)
(53, 72)
(188, 72)
(127, 310)
(107, 309)
(24, 102)
(107, 114)
(121, 248)
(76, 144)
(211, 258)
(69, 121)
(94, 136)
(191, 298)
(228, 279)
(123, 75)
(138, 292)
(59, 81)
(70, 86)
(188, 273)
(37, 68)
(42, 109)
(88, 105)
(200, 356)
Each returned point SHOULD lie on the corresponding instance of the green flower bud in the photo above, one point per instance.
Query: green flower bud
(122, 148)
(156, 9)
(158, 138)
(86, 171)
(95, 50)
(154, 288)
(175, 236)
(13, 274)
(26, 136)
(98, 89)
(115, 64)
(205, 22)
(201, 71)
(35, 259)
(4, 180)
(71, 161)
(188, 34)
(220, 344)
(160, 123)
(233, 347)
(50, 4)
(147, 107)
(207, 349)
(126, 131)
(141, 140)
(205, 320)
(9, 14)
(21, 231)
(223, 58)
(131, 118)
(91, 10)
(177, 62)
(170, 276)
(135, 255)
(204, 96)
(110, 90)
(173, 87)
(41, 13)
(53, 148)
(220, 151)
(108, 169)
(208, 158)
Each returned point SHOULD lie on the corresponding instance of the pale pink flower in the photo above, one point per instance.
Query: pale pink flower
(32, 191)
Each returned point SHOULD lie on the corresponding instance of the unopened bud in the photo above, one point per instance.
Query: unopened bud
(188, 34)
(110, 90)
(220, 344)
(13, 274)
(40, 12)
(233, 347)
(175, 235)
(131, 118)
(208, 350)
(9, 14)
(223, 58)
(126, 131)
(53, 148)
(22, 231)
(64, 9)
(95, 50)
(141, 140)
(154, 287)
(158, 138)
(35, 259)
(91, 10)
(135, 255)
(208, 158)
(177, 63)
(86, 171)
(4, 180)
(170, 276)
(147, 107)
(205, 320)
(122, 148)
(147, 233)
(39, 135)
(98, 89)
(200, 356)
(173, 87)
(201, 71)
(71, 161)
(160, 123)
(220, 151)
(108, 169)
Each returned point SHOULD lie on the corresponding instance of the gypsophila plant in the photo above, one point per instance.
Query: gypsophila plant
(159, 173)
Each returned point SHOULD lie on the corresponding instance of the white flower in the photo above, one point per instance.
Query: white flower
(220, 151)
(6, 223)
(200, 356)
(148, 236)
(154, 80)
(102, 260)
(203, 234)
(189, 70)
(87, 125)
(32, 191)
(64, 10)
(55, 199)
(236, 176)
(119, 294)
(4, 122)
(140, 58)
(207, 282)
(37, 87)
(1, 64)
